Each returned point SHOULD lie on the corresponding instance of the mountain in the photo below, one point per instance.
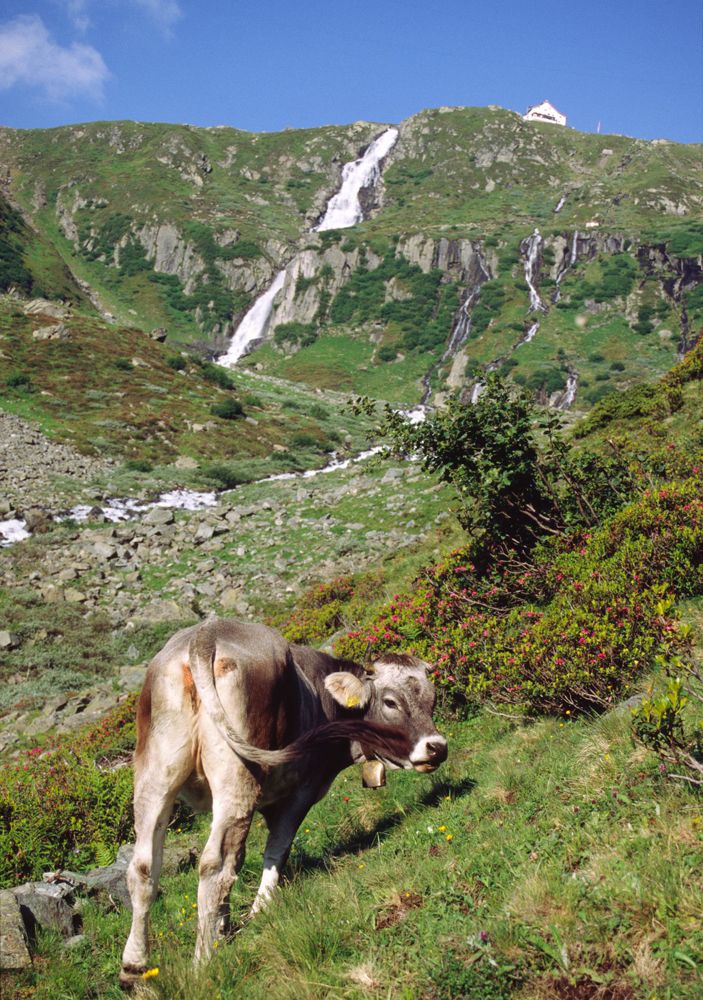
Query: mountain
(571, 261)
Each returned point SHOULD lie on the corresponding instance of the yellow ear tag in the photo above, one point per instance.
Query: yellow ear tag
(352, 701)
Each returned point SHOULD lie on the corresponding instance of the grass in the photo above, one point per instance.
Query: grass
(113, 391)
(543, 861)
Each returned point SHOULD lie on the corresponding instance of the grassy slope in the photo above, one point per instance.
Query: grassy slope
(543, 861)
(111, 390)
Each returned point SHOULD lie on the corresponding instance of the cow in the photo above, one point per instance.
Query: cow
(235, 720)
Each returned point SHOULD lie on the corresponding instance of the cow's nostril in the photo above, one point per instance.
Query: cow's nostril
(437, 749)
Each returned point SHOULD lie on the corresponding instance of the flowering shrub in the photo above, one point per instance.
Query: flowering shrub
(324, 608)
(566, 632)
(59, 809)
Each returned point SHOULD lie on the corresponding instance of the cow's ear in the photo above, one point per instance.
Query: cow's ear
(348, 690)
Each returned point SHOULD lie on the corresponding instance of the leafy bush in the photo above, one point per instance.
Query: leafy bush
(123, 364)
(223, 476)
(227, 409)
(59, 809)
(661, 723)
(138, 465)
(176, 362)
(217, 375)
(301, 334)
(18, 380)
(570, 630)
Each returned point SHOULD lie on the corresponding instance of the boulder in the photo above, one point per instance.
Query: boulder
(8, 640)
(14, 953)
(109, 885)
(159, 515)
(46, 906)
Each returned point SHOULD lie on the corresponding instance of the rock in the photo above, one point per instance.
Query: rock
(159, 334)
(38, 521)
(232, 599)
(14, 953)
(8, 640)
(185, 462)
(42, 307)
(104, 550)
(46, 906)
(57, 331)
(75, 942)
(160, 515)
(109, 885)
(162, 611)
(204, 533)
(74, 596)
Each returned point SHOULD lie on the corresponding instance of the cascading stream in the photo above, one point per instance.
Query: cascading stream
(530, 249)
(254, 325)
(344, 209)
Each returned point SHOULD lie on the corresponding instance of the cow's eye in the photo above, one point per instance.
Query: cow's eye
(389, 703)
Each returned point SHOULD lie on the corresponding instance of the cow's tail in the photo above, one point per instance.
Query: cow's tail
(376, 739)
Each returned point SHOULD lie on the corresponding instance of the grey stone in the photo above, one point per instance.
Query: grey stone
(14, 953)
(159, 515)
(48, 906)
(104, 550)
(8, 640)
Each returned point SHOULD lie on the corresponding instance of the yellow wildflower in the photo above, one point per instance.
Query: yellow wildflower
(150, 973)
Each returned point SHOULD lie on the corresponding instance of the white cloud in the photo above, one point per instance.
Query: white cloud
(164, 13)
(29, 57)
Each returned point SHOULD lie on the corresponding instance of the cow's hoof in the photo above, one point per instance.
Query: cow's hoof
(131, 976)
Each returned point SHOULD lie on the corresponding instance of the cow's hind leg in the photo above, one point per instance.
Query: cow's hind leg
(234, 798)
(158, 779)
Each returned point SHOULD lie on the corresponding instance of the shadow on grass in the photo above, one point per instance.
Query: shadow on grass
(362, 840)
(455, 789)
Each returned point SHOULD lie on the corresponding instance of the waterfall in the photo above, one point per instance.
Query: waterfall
(560, 204)
(530, 335)
(462, 328)
(575, 247)
(569, 395)
(344, 208)
(530, 249)
(254, 325)
(566, 263)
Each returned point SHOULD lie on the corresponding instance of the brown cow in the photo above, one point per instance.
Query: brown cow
(233, 719)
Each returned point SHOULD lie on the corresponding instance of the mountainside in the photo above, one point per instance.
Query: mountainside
(481, 227)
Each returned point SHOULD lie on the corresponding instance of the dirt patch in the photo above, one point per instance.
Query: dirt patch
(401, 903)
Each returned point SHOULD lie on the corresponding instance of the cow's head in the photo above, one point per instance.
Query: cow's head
(396, 691)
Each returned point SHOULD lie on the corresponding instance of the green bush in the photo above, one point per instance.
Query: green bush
(217, 375)
(568, 632)
(176, 362)
(61, 809)
(223, 476)
(18, 380)
(123, 364)
(227, 409)
(138, 465)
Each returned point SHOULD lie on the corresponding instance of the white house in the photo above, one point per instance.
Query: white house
(544, 112)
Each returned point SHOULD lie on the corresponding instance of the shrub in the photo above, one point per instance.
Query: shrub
(387, 353)
(217, 375)
(227, 409)
(60, 809)
(18, 380)
(123, 364)
(569, 631)
(176, 362)
(223, 476)
(138, 465)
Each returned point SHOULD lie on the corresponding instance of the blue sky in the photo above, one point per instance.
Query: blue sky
(635, 66)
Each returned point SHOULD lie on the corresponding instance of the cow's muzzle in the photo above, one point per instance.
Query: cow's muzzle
(429, 753)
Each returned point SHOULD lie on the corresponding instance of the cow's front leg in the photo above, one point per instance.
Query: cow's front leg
(283, 820)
